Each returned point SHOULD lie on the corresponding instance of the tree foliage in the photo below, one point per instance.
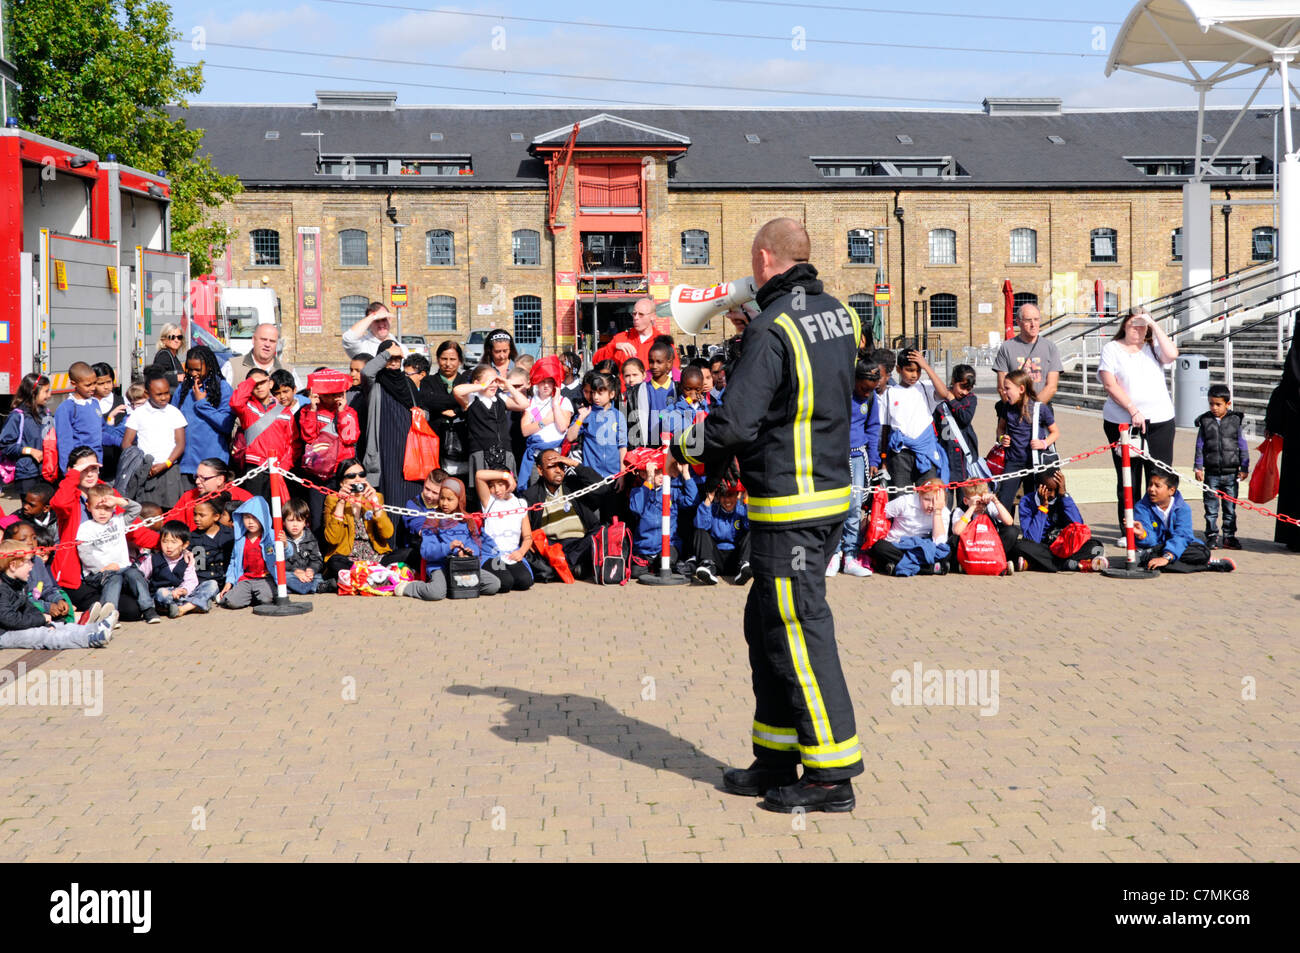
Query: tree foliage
(101, 74)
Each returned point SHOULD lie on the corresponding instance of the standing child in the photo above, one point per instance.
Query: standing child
(267, 428)
(907, 429)
(1016, 432)
(487, 401)
(328, 431)
(23, 626)
(547, 418)
(303, 570)
(958, 413)
(1222, 459)
(1162, 525)
(648, 400)
(102, 548)
(159, 428)
(249, 579)
(78, 421)
(600, 429)
(864, 449)
(172, 577)
(23, 435)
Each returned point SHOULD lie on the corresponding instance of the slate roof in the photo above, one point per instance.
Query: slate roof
(994, 151)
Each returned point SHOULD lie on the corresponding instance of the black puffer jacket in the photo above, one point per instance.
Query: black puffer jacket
(16, 611)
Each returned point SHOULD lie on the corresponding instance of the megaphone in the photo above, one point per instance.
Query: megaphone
(692, 308)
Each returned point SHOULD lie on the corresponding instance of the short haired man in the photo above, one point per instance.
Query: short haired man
(1035, 355)
(262, 355)
(636, 341)
(785, 418)
(368, 333)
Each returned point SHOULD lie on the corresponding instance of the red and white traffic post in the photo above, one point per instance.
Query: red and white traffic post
(666, 576)
(1131, 569)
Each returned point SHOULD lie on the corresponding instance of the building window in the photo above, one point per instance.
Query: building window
(862, 246)
(1024, 246)
(1022, 297)
(442, 313)
(266, 246)
(1103, 245)
(943, 311)
(1263, 244)
(1110, 301)
(527, 246)
(528, 319)
(695, 247)
(354, 249)
(352, 308)
(440, 247)
(943, 246)
(1176, 244)
(865, 306)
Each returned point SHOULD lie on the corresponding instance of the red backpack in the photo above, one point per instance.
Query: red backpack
(611, 549)
(979, 550)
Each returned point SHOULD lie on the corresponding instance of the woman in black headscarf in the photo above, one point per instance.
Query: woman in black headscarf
(388, 422)
(1283, 418)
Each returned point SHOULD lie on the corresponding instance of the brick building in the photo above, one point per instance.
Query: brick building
(945, 206)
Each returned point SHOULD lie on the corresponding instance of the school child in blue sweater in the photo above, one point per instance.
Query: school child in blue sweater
(645, 503)
(78, 422)
(721, 537)
(1162, 527)
(442, 539)
(690, 407)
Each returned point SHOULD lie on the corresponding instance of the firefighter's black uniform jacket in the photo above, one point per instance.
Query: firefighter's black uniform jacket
(786, 420)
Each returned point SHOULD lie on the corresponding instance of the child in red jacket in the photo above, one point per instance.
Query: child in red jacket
(267, 428)
(328, 431)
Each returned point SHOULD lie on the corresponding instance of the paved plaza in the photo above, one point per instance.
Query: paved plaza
(1129, 721)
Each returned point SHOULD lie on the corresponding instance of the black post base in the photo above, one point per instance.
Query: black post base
(283, 608)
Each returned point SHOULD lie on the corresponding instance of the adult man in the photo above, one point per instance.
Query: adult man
(366, 335)
(266, 341)
(786, 418)
(636, 342)
(1036, 356)
(567, 522)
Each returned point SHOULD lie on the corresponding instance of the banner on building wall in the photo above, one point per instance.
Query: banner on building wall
(310, 320)
(659, 291)
(1064, 289)
(1146, 286)
(566, 285)
(566, 311)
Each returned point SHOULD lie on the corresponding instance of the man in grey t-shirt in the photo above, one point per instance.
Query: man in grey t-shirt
(1028, 352)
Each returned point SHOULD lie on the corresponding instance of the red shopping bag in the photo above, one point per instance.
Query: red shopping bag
(877, 522)
(1070, 539)
(422, 448)
(49, 456)
(554, 554)
(996, 460)
(1264, 481)
(979, 550)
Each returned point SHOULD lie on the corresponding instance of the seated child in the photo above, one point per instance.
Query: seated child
(1044, 515)
(979, 500)
(172, 577)
(510, 531)
(105, 557)
(444, 538)
(1162, 527)
(212, 541)
(42, 590)
(907, 430)
(645, 503)
(35, 509)
(24, 626)
(250, 577)
(917, 541)
(304, 568)
(722, 536)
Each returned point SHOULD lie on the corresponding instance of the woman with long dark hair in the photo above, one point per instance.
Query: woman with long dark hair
(24, 432)
(204, 399)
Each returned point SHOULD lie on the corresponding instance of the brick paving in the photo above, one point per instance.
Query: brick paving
(578, 723)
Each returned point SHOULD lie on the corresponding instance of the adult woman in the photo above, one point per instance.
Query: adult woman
(204, 399)
(170, 342)
(1132, 369)
(499, 350)
(388, 422)
(356, 527)
(212, 475)
(1283, 417)
(445, 413)
(24, 432)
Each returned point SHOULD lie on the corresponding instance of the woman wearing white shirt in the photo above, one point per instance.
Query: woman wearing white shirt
(1132, 369)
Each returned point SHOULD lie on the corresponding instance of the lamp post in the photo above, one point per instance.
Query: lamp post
(397, 272)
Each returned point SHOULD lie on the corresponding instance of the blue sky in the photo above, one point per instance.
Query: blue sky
(684, 53)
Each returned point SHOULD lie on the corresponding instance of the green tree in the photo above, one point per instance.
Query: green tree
(101, 74)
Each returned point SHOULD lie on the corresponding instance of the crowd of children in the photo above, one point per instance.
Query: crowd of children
(541, 489)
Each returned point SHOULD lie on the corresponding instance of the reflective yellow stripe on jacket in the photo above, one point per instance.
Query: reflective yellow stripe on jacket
(800, 506)
(803, 465)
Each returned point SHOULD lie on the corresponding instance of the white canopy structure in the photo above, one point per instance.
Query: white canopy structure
(1206, 43)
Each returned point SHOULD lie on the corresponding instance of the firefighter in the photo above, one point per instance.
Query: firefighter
(786, 421)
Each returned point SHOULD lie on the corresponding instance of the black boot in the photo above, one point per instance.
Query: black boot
(759, 778)
(810, 796)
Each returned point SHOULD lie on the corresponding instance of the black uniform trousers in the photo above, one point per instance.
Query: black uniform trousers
(802, 709)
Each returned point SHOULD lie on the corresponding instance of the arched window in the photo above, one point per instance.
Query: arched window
(862, 304)
(527, 246)
(1024, 246)
(266, 246)
(943, 246)
(943, 311)
(352, 308)
(695, 247)
(1103, 245)
(354, 247)
(862, 246)
(440, 247)
(528, 320)
(1176, 244)
(1263, 243)
(441, 310)
(1023, 297)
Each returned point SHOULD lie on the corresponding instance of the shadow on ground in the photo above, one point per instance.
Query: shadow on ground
(532, 717)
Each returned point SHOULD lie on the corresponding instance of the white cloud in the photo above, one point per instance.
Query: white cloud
(257, 26)
(427, 36)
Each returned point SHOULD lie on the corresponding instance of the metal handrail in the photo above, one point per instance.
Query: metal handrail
(1246, 327)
